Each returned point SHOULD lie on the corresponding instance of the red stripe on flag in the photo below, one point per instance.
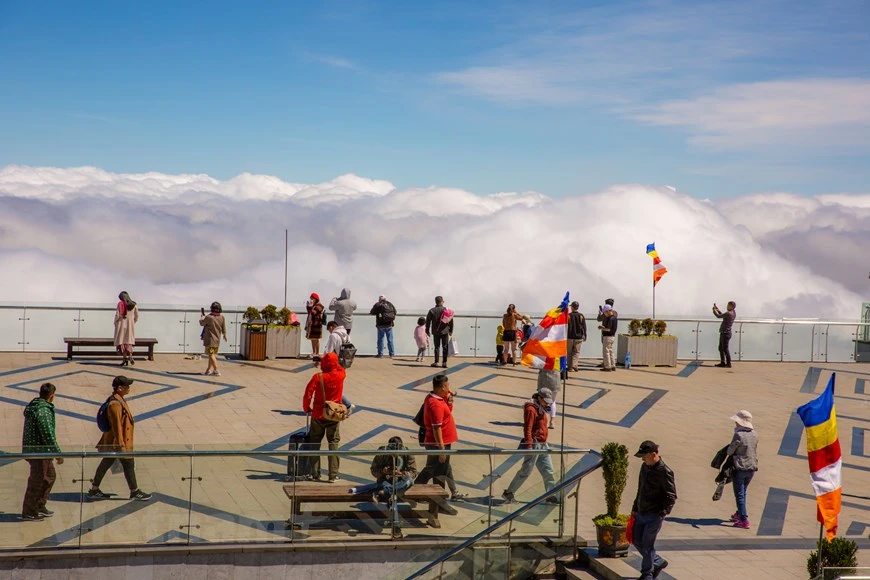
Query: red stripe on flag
(825, 456)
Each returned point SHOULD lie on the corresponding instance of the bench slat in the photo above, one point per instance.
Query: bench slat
(105, 341)
(319, 492)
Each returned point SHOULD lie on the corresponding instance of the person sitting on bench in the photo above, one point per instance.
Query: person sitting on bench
(394, 473)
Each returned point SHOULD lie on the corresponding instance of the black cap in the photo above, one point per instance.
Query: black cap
(575, 304)
(647, 447)
(609, 301)
(121, 381)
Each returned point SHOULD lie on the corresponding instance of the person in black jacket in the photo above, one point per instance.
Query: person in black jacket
(439, 324)
(385, 316)
(656, 496)
(576, 335)
(725, 332)
(609, 322)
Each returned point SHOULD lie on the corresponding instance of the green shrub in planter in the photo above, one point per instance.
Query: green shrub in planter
(647, 325)
(284, 316)
(838, 553)
(634, 327)
(660, 327)
(614, 469)
(270, 314)
(251, 313)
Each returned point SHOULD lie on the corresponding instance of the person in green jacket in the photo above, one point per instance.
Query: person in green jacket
(39, 437)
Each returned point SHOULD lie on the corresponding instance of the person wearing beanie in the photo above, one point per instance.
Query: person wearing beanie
(385, 317)
(535, 432)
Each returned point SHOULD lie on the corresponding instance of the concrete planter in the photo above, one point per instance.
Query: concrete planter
(283, 341)
(612, 541)
(650, 350)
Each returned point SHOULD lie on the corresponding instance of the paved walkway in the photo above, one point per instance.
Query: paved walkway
(256, 406)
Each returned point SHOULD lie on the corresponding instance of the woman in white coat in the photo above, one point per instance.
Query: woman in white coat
(126, 317)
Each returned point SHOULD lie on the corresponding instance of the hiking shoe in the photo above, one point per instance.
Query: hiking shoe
(735, 517)
(507, 496)
(658, 569)
(458, 496)
(45, 511)
(140, 495)
(32, 518)
(97, 494)
(743, 524)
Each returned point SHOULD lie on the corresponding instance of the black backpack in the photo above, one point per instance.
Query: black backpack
(388, 313)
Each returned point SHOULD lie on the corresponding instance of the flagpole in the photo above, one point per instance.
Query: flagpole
(821, 533)
(654, 293)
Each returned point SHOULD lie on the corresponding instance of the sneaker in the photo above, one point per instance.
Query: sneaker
(552, 425)
(140, 495)
(658, 569)
(728, 366)
(507, 496)
(33, 518)
(45, 511)
(97, 494)
(351, 409)
(604, 370)
(743, 524)
(735, 517)
(444, 366)
(434, 364)
(216, 374)
(379, 356)
(207, 373)
(332, 479)
(458, 496)
(721, 365)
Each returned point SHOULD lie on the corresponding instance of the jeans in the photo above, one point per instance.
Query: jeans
(388, 332)
(544, 463)
(129, 471)
(443, 340)
(319, 428)
(740, 482)
(607, 352)
(724, 353)
(39, 484)
(574, 353)
(386, 486)
(440, 473)
(646, 528)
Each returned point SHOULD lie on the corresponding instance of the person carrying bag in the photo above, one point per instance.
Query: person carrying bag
(321, 398)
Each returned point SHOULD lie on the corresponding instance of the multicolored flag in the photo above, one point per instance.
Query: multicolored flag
(659, 269)
(549, 340)
(823, 451)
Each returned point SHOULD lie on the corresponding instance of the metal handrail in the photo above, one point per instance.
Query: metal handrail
(574, 480)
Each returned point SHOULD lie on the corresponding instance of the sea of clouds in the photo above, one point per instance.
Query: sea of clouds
(81, 235)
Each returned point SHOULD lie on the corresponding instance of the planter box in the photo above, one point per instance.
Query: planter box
(650, 350)
(283, 341)
(253, 346)
(612, 542)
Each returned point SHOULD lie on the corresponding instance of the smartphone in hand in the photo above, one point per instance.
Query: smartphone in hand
(202, 310)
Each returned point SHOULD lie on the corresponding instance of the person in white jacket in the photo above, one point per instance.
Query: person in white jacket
(337, 336)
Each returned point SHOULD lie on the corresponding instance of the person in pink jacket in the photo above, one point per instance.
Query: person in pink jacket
(421, 338)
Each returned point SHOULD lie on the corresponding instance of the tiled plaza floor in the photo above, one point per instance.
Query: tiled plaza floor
(257, 405)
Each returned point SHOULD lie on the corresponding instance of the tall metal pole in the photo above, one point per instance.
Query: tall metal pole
(285, 266)
(654, 294)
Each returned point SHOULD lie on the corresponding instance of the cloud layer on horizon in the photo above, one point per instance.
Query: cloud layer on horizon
(83, 234)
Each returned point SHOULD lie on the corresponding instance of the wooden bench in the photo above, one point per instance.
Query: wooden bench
(311, 492)
(77, 343)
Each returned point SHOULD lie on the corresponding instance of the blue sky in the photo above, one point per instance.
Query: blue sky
(718, 99)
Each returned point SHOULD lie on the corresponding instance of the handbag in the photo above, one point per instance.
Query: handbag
(453, 347)
(629, 530)
(332, 411)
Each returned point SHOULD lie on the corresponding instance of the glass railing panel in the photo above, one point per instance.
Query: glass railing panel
(798, 342)
(685, 331)
(119, 520)
(12, 329)
(166, 327)
(838, 342)
(97, 323)
(708, 341)
(485, 336)
(60, 529)
(238, 498)
(46, 329)
(757, 341)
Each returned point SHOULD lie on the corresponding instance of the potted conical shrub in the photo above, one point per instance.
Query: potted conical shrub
(611, 526)
(839, 554)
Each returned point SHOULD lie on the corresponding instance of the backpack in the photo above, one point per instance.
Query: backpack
(419, 421)
(388, 313)
(103, 416)
(446, 316)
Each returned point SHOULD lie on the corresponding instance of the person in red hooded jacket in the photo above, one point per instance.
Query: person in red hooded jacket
(332, 375)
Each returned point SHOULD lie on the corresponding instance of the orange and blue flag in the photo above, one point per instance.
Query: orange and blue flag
(659, 269)
(823, 451)
(549, 340)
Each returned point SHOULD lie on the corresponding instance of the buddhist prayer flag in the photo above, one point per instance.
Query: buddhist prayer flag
(659, 269)
(549, 341)
(823, 451)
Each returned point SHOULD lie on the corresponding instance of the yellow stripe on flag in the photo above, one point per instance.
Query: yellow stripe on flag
(822, 435)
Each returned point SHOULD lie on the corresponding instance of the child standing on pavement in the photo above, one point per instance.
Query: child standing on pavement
(421, 338)
(499, 344)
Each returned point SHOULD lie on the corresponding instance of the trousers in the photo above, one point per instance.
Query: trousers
(319, 428)
(607, 352)
(646, 529)
(39, 484)
(129, 471)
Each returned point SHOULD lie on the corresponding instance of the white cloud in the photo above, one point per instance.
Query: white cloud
(808, 112)
(84, 234)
